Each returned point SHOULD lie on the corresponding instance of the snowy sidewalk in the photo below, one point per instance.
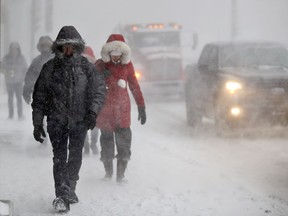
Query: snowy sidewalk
(171, 173)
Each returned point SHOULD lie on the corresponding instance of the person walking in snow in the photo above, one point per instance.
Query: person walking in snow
(114, 118)
(15, 67)
(70, 92)
(94, 133)
(44, 47)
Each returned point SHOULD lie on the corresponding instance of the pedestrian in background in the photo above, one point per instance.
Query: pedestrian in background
(44, 47)
(114, 118)
(15, 66)
(70, 93)
(94, 133)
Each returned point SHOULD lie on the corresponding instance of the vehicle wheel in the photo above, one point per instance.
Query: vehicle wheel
(223, 127)
(194, 117)
(193, 111)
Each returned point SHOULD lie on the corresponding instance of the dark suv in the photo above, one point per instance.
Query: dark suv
(238, 84)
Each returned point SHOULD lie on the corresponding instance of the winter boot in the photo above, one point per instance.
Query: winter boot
(72, 198)
(61, 205)
(108, 165)
(121, 167)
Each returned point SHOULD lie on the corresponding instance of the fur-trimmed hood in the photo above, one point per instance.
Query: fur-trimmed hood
(43, 42)
(68, 35)
(117, 43)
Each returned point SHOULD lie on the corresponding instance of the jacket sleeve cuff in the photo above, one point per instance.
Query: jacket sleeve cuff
(37, 117)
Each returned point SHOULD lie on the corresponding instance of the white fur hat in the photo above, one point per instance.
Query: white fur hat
(116, 46)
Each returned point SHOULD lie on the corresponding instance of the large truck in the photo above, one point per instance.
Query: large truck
(157, 57)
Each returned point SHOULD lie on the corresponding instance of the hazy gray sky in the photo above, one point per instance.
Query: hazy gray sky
(95, 20)
(210, 19)
(255, 19)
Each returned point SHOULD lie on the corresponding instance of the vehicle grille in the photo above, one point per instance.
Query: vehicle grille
(267, 92)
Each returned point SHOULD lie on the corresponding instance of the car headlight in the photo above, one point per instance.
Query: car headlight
(233, 86)
(235, 111)
(139, 75)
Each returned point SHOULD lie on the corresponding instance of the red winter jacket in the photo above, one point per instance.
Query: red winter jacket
(116, 111)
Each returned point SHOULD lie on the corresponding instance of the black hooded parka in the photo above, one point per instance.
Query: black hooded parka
(67, 89)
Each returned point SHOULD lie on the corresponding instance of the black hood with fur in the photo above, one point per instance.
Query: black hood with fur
(68, 35)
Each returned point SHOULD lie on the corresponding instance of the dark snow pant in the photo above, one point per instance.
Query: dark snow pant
(123, 138)
(67, 158)
(15, 88)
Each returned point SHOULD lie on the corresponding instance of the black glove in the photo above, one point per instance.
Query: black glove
(90, 119)
(141, 115)
(38, 132)
(27, 96)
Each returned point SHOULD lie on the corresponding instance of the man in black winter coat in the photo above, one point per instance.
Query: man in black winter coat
(44, 47)
(70, 92)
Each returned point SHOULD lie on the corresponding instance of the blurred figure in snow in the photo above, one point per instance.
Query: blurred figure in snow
(70, 93)
(15, 67)
(44, 47)
(114, 117)
(94, 133)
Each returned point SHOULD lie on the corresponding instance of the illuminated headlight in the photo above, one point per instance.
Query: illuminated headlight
(235, 111)
(232, 86)
(138, 75)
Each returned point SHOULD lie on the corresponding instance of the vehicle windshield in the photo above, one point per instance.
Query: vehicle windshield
(253, 57)
(152, 39)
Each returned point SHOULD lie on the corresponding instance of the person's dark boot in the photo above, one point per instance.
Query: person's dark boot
(121, 167)
(61, 205)
(72, 195)
(108, 165)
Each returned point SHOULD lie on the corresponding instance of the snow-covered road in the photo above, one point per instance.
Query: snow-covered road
(174, 171)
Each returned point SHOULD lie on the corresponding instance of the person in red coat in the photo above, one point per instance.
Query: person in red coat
(114, 119)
